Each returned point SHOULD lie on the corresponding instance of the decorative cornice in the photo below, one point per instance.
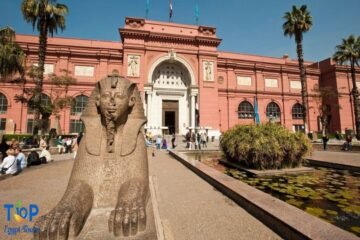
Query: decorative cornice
(134, 22)
(208, 31)
(167, 37)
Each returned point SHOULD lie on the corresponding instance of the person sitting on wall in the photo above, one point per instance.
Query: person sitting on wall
(59, 145)
(33, 158)
(68, 145)
(42, 143)
(8, 166)
(20, 159)
(347, 144)
(45, 155)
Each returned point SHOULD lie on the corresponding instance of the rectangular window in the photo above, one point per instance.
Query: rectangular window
(76, 126)
(299, 128)
(48, 68)
(2, 124)
(271, 82)
(29, 126)
(243, 81)
(295, 84)
(84, 71)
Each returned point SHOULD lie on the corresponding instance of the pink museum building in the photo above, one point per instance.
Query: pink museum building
(184, 80)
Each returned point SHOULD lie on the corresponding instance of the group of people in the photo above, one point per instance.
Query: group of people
(346, 146)
(160, 143)
(68, 144)
(14, 160)
(196, 140)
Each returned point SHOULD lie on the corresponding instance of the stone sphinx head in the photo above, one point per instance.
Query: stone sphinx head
(115, 102)
(115, 99)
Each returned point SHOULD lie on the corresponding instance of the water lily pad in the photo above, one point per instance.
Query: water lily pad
(355, 229)
(318, 212)
(331, 212)
(289, 196)
(294, 202)
(352, 209)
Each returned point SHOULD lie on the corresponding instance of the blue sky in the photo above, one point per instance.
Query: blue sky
(246, 26)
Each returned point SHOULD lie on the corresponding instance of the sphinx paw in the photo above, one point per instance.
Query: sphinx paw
(128, 219)
(59, 224)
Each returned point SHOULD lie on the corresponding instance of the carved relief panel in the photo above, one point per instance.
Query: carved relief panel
(133, 69)
(208, 70)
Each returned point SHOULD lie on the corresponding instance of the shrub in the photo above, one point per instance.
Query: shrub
(264, 146)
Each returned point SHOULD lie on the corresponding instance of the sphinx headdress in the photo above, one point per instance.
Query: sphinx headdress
(92, 117)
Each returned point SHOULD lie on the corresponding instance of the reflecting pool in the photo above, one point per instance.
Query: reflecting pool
(332, 195)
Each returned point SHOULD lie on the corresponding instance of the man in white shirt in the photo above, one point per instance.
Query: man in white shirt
(9, 163)
(45, 155)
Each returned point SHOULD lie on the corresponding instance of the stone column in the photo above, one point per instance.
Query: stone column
(149, 108)
(192, 109)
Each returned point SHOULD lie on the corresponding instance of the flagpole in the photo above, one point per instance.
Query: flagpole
(197, 13)
(170, 11)
(147, 9)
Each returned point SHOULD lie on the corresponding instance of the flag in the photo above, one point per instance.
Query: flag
(197, 13)
(170, 10)
(256, 111)
(147, 8)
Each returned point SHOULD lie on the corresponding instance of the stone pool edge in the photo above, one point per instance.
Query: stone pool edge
(286, 220)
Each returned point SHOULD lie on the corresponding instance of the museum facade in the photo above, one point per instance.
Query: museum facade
(185, 81)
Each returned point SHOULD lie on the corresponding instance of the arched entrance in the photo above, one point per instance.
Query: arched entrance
(170, 98)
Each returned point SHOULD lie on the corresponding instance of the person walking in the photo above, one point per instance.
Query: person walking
(325, 140)
(192, 140)
(173, 139)
(203, 140)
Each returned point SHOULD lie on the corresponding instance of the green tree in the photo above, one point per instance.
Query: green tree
(60, 98)
(47, 16)
(297, 22)
(349, 52)
(28, 96)
(11, 55)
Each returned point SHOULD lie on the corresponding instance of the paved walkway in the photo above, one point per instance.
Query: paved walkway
(343, 158)
(190, 209)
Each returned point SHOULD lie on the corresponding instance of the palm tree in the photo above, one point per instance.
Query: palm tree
(349, 52)
(48, 16)
(297, 22)
(11, 55)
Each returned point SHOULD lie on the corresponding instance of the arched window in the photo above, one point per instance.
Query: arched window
(297, 111)
(3, 103)
(273, 111)
(245, 110)
(45, 101)
(79, 104)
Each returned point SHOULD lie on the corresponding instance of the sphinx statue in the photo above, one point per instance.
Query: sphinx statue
(108, 190)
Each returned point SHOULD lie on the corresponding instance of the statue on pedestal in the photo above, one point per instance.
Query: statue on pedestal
(108, 191)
